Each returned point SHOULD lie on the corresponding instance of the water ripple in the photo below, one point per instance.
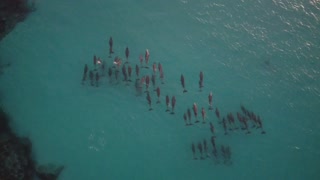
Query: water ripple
(281, 35)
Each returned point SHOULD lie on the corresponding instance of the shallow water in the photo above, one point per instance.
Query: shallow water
(264, 55)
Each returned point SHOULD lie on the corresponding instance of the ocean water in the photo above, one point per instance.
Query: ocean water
(264, 55)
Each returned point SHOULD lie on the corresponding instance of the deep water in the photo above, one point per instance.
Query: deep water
(264, 55)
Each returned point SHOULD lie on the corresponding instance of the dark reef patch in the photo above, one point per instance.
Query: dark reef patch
(15, 153)
(12, 12)
(16, 158)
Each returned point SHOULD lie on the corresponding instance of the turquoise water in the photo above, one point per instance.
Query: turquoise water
(262, 54)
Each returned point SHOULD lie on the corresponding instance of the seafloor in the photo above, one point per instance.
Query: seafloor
(260, 60)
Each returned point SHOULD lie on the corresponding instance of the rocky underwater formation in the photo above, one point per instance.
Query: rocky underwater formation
(16, 158)
(15, 153)
(12, 12)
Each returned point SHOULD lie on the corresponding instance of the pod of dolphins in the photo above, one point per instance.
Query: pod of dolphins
(246, 120)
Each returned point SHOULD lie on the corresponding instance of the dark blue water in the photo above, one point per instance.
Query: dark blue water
(261, 54)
